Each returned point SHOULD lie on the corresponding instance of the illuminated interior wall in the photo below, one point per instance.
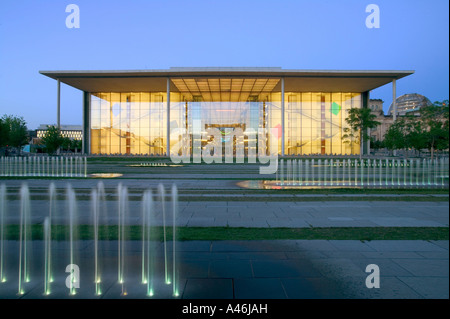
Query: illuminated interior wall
(315, 123)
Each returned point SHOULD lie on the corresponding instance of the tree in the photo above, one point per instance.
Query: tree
(52, 139)
(429, 131)
(76, 145)
(405, 133)
(435, 121)
(4, 133)
(359, 121)
(376, 145)
(13, 131)
(415, 133)
(66, 143)
(395, 137)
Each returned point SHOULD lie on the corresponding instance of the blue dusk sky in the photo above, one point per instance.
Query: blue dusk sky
(126, 35)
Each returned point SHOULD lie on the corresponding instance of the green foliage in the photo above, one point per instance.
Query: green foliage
(4, 133)
(76, 145)
(66, 143)
(52, 139)
(109, 232)
(436, 126)
(429, 131)
(359, 121)
(396, 136)
(376, 145)
(13, 131)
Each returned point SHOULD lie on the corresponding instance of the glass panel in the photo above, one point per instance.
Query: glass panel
(105, 123)
(115, 123)
(316, 123)
(95, 124)
(326, 124)
(347, 146)
(144, 123)
(336, 123)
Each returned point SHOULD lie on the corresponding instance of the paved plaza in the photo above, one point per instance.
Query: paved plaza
(234, 269)
(278, 269)
(296, 214)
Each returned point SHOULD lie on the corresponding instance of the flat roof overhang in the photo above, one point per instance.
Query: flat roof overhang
(295, 80)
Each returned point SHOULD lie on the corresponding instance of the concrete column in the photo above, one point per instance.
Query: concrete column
(394, 105)
(282, 118)
(58, 104)
(365, 104)
(394, 99)
(168, 118)
(86, 140)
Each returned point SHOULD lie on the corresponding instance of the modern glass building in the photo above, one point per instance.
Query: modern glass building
(134, 112)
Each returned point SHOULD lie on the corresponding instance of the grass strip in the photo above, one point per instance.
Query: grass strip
(134, 232)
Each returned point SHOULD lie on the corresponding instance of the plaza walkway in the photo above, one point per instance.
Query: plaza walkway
(230, 269)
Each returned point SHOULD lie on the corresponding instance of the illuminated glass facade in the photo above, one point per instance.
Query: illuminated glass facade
(315, 121)
(128, 123)
(136, 122)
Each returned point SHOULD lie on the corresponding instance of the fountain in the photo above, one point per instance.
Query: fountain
(175, 291)
(282, 172)
(40, 166)
(379, 173)
(47, 255)
(2, 230)
(73, 234)
(147, 256)
(307, 172)
(319, 172)
(65, 228)
(24, 239)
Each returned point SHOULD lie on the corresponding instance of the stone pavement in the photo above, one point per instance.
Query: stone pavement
(251, 269)
(314, 214)
(265, 214)
(279, 269)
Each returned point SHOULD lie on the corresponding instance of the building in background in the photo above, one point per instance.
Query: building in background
(74, 132)
(407, 104)
(134, 112)
(376, 105)
(377, 134)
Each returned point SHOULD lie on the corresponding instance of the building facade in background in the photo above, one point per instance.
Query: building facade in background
(74, 132)
(378, 133)
(409, 104)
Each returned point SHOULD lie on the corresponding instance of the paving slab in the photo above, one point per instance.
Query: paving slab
(230, 269)
(201, 288)
(391, 254)
(425, 267)
(428, 287)
(404, 245)
(387, 267)
(351, 245)
(283, 268)
(256, 288)
(313, 288)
